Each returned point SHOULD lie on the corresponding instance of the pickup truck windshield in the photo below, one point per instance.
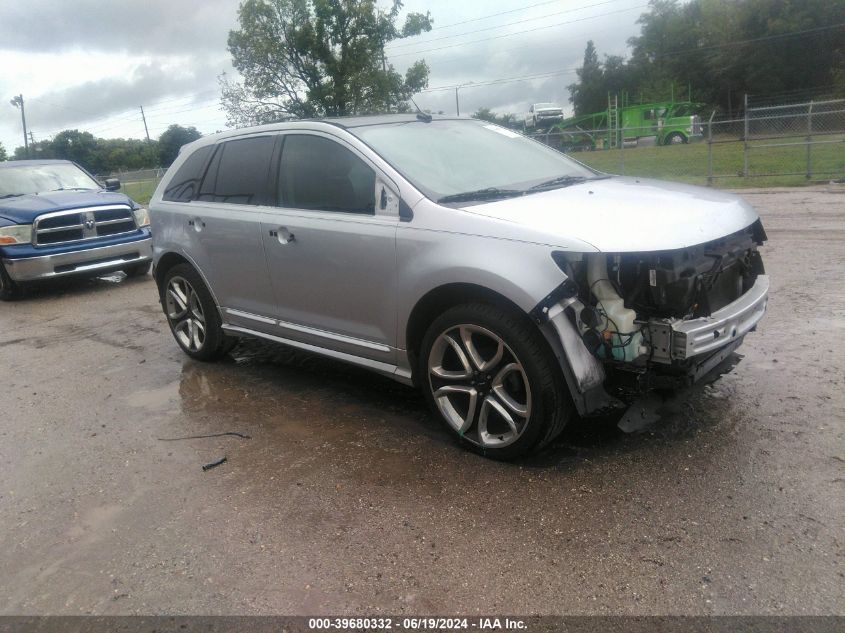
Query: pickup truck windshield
(21, 180)
(447, 157)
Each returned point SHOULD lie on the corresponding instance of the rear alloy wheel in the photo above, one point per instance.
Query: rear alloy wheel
(192, 314)
(8, 289)
(489, 375)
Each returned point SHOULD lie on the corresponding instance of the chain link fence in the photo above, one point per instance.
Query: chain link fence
(138, 184)
(770, 145)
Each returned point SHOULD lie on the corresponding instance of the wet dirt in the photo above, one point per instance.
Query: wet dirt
(348, 497)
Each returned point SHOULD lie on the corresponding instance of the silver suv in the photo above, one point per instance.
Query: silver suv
(511, 284)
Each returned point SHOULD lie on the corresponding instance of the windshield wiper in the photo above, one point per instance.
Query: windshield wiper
(482, 194)
(72, 189)
(565, 181)
(11, 195)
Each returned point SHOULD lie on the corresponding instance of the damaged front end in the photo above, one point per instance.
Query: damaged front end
(629, 323)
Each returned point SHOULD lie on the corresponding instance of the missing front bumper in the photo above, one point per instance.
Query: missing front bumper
(678, 340)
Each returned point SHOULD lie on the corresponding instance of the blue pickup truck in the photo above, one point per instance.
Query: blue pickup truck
(56, 220)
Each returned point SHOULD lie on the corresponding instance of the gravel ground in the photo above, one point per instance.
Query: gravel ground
(349, 498)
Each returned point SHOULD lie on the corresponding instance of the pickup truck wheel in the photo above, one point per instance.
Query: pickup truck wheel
(192, 314)
(8, 289)
(490, 376)
(138, 270)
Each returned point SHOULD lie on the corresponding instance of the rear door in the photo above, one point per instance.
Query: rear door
(331, 248)
(226, 219)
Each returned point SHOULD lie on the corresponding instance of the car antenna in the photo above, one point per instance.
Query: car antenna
(421, 116)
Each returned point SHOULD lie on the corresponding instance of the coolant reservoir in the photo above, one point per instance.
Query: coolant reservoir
(626, 338)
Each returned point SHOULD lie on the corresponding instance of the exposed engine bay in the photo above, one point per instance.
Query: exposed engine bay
(653, 318)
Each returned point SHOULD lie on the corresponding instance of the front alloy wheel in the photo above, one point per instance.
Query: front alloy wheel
(490, 375)
(479, 386)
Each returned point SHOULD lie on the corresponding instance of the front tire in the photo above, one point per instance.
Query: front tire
(192, 315)
(138, 270)
(675, 138)
(9, 290)
(490, 376)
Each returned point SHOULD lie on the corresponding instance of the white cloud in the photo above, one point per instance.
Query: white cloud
(89, 64)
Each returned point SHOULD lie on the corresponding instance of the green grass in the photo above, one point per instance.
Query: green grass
(139, 190)
(688, 163)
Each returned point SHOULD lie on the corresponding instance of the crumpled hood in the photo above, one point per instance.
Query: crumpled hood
(626, 214)
(25, 209)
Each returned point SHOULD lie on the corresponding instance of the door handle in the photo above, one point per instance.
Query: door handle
(197, 223)
(283, 235)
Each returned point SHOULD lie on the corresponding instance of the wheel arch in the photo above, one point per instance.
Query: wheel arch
(166, 262)
(172, 258)
(438, 300)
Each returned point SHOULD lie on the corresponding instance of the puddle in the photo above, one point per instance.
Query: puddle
(159, 398)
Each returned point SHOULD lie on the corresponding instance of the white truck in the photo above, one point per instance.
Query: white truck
(543, 115)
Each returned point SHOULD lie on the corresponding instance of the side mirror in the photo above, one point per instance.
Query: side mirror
(112, 184)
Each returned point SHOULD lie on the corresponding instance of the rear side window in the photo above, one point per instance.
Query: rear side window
(186, 182)
(317, 173)
(238, 173)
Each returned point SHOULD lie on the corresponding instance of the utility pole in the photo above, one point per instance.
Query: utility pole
(31, 139)
(18, 103)
(457, 103)
(145, 123)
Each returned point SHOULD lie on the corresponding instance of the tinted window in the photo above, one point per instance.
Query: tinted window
(317, 173)
(238, 173)
(186, 182)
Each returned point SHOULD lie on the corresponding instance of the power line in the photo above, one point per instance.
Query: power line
(676, 52)
(501, 26)
(754, 39)
(504, 80)
(539, 28)
(492, 15)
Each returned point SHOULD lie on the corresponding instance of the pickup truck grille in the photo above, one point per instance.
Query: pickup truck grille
(82, 224)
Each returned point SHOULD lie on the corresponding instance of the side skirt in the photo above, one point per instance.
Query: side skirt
(385, 369)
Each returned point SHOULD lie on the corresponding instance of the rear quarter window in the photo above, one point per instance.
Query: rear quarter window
(185, 184)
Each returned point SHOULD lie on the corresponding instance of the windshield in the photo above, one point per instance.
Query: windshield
(27, 179)
(443, 158)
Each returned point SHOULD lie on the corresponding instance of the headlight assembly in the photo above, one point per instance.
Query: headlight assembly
(17, 234)
(142, 216)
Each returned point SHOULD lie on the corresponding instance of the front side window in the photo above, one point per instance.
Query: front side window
(319, 174)
(21, 180)
(446, 157)
(239, 172)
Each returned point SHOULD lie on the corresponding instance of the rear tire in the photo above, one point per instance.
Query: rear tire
(9, 290)
(138, 270)
(489, 374)
(192, 315)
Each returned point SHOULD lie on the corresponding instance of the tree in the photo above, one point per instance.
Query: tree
(713, 51)
(588, 94)
(485, 114)
(3, 155)
(505, 120)
(172, 140)
(80, 147)
(307, 58)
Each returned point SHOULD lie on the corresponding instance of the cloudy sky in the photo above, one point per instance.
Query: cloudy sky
(90, 64)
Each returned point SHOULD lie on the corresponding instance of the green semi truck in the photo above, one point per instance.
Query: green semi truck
(667, 122)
